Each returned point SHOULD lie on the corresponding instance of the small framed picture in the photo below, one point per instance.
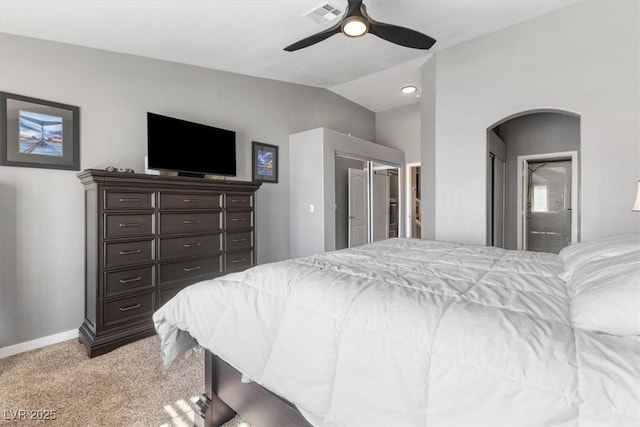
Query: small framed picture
(35, 133)
(265, 162)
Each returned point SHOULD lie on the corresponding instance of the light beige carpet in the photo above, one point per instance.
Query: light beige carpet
(126, 387)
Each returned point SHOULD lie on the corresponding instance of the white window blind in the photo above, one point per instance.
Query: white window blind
(540, 199)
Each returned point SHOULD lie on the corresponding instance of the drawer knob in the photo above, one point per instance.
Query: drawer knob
(191, 221)
(131, 307)
(130, 224)
(238, 240)
(131, 252)
(187, 269)
(238, 260)
(238, 219)
(133, 279)
(236, 201)
(127, 199)
(192, 200)
(191, 245)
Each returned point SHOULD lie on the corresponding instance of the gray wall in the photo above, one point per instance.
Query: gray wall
(399, 128)
(532, 134)
(556, 61)
(428, 149)
(312, 167)
(42, 211)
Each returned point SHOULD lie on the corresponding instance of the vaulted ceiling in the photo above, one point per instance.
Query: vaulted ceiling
(248, 37)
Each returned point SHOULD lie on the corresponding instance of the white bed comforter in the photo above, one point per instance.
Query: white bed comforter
(406, 332)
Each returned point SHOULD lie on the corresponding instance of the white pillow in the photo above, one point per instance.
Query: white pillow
(582, 253)
(606, 295)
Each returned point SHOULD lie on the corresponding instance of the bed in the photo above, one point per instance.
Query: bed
(409, 332)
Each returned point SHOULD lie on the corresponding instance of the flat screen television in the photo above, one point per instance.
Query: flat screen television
(189, 148)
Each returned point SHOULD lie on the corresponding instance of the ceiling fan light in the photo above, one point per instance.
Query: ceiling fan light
(355, 26)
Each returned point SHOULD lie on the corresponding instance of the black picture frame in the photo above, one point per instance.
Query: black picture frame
(264, 162)
(37, 133)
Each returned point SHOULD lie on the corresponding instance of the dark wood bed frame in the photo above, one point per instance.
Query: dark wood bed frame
(252, 402)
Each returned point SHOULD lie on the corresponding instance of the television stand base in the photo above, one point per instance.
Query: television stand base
(191, 174)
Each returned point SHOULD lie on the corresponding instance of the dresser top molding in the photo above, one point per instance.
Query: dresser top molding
(125, 179)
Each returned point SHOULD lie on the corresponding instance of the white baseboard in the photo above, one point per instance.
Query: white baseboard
(37, 343)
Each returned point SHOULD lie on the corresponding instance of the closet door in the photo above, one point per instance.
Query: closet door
(380, 206)
(358, 202)
(498, 202)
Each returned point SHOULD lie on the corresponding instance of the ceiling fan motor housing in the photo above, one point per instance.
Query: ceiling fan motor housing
(355, 26)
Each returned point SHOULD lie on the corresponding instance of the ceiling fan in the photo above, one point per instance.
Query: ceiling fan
(356, 22)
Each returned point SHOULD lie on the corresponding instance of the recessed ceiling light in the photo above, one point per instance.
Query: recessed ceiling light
(408, 89)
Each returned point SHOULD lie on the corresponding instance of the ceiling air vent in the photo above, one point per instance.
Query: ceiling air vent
(324, 13)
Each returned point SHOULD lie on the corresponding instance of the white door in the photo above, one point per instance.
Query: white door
(358, 218)
(523, 200)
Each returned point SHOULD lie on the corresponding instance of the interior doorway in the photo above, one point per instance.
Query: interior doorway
(547, 201)
(413, 208)
(534, 135)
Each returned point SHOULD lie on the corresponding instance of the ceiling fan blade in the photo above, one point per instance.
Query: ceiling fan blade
(308, 41)
(352, 6)
(400, 35)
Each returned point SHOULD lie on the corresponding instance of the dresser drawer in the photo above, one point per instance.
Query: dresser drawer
(239, 201)
(236, 220)
(124, 253)
(127, 309)
(238, 261)
(119, 282)
(242, 240)
(189, 271)
(190, 201)
(176, 247)
(133, 225)
(126, 200)
(178, 223)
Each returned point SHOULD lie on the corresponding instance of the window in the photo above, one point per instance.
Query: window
(540, 199)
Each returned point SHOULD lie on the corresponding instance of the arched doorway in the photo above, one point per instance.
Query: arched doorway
(537, 137)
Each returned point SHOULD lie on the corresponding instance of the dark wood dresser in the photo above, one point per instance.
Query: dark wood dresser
(149, 236)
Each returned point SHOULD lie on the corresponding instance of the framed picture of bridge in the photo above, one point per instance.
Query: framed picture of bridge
(36, 133)
(264, 162)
